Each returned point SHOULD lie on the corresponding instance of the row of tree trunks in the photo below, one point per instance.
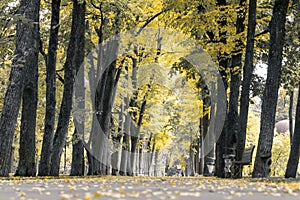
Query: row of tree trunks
(25, 59)
(74, 56)
(269, 102)
(108, 76)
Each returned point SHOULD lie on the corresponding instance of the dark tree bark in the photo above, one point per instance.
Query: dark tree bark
(292, 166)
(221, 144)
(269, 102)
(77, 165)
(221, 148)
(44, 166)
(235, 75)
(209, 159)
(204, 125)
(204, 122)
(70, 66)
(25, 57)
(27, 150)
(233, 113)
(247, 77)
(93, 162)
(105, 106)
(291, 106)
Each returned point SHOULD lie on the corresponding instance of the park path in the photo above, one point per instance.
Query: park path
(145, 188)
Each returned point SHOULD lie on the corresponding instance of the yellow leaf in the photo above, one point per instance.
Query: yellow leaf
(97, 194)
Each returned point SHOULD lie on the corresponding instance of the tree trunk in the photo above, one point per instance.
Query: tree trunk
(77, 165)
(104, 99)
(291, 126)
(269, 102)
(192, 162)
(210, 157)
(73, 54)
(125, 154)
(106, 90)
(236, 68)
(293, 162)
(94, 164)
(247, 77)
(152, 156)
(197, 157)
(25, 56)
(220, 151)
(221, 145)
(118, 141)
(201, 159)
(204, 125)
(93, 138)
(44, 166)
(135, 135)
(126, 139)
(27, 150)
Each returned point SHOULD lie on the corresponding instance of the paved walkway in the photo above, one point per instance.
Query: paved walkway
(147, 188)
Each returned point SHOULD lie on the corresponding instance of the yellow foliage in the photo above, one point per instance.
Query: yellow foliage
(280, 154)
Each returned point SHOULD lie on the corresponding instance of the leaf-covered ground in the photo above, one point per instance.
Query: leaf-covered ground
(147, 188)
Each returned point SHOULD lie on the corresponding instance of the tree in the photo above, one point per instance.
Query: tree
(247, 77)
(293, 162)
(235, 76)
(25, 57)
(72, 61)
(277, 34)
(77, 168)
(224, 143)
(290, 72)
(292, 166)
(45, 160)
(27, 150)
